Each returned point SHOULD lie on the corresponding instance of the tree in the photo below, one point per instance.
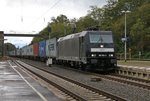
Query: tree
(84, 22)
(60, 19)
(9, 47)
(97, 14)
(110, 17)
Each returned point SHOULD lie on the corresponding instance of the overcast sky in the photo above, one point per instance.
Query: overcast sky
(31, 16)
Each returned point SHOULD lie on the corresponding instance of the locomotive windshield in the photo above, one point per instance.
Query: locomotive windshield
(101, 38)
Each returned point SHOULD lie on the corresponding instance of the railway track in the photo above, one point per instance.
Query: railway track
(127, 80)
(132, 78)
(142, 83)
(75, 89)
(145, 84)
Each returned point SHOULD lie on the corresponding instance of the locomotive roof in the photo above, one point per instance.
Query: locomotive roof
(80, 34)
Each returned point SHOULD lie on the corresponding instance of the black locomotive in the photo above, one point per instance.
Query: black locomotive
(88, 49)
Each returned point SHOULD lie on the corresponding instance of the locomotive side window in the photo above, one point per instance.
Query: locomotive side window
(97, 38)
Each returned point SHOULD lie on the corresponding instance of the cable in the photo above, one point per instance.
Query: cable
(21, 17)
(46, 11)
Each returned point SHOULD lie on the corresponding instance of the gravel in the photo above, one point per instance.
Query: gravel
(131, 93)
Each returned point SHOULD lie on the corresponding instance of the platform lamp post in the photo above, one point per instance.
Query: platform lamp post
(125, 35)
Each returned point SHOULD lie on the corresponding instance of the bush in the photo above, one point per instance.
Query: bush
(146, 55)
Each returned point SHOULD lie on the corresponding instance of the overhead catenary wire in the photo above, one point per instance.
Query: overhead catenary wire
(50, 8)
(21, 10)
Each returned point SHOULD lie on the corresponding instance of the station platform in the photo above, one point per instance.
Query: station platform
(137, 65)
(16, 85)
(138, 69)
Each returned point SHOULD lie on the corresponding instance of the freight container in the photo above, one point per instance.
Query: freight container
(27, 50)
(12, 53)
(24, 51)
(18, 52)
(42, 48)
(51, 49)
(30, 50)
(35, 49)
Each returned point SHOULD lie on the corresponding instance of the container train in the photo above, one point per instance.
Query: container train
(86, 49)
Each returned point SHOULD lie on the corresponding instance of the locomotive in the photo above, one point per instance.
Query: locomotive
(87, 50)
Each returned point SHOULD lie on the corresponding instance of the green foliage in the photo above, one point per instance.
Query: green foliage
(147, 55)
(110, 17)
(9, 46)
(97, 14)
(137, 24)
(85, 22)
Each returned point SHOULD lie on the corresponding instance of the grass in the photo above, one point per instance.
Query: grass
(134, 63)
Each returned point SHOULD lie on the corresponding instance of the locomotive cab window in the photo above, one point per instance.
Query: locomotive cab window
(100, 38)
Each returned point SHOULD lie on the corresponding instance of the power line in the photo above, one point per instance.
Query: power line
(21, 10)
(46, 11)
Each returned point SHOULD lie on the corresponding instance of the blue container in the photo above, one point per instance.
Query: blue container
(42, 48)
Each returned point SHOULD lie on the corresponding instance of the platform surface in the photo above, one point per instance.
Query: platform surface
(139, 65)
(16, 87)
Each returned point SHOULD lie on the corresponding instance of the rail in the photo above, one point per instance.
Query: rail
(100, 92)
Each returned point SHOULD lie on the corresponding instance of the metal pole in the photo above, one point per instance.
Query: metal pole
(49, 61)
(125, 36)
(49, 44)
(64, 29)
(2, 42)
(125, 45)
(2, 48)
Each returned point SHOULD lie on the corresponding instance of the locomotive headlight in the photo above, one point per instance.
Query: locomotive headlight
(93, 55)
(101, 46)
(100, 55)
(111, 55)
